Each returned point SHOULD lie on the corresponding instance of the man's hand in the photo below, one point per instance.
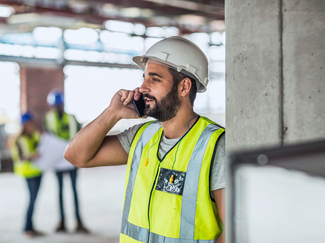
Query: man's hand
(91, 147)
(121, 103)
(35, 156)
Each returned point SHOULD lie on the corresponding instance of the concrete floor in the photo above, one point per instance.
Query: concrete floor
(100, 195)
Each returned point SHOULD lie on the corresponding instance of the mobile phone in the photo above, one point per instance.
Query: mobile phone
(140, 106)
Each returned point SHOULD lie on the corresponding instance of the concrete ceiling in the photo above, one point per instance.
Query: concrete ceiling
(188, 15)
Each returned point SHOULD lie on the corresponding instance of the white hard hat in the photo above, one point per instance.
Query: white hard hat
(183, 55)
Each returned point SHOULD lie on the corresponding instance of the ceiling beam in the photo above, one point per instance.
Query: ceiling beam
(161, 7)
(171, 10)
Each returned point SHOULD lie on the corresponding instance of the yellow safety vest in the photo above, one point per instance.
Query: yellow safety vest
(27, 145)
(65, 128)
(155, 210)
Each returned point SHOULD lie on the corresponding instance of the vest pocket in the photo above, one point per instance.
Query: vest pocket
(164, 185)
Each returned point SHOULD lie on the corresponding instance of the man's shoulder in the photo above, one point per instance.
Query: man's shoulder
(49, 113)
(54, 111)
(37, 135)
(135, 128)
(209, 121)
(152, 122)
(70, 115)
(127, 136)
(13, 140)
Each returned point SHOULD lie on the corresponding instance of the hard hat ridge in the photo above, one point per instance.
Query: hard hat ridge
(180, 54)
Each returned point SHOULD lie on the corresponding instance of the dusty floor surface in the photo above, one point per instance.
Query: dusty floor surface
(100, 195)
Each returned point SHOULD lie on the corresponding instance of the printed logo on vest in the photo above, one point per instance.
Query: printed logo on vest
(163, 181)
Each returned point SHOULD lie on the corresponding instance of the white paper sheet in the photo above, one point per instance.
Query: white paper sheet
(51, 150)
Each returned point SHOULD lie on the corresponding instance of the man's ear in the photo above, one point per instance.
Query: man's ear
(185, 86)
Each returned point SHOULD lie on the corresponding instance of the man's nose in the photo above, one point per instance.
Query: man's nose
(144, 88)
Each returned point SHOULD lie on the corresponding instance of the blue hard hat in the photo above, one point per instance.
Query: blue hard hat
(25, 118)
(55, 98)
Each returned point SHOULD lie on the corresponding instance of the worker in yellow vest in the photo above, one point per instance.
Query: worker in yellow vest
(64, 126)
(175, 180)
(23, 152)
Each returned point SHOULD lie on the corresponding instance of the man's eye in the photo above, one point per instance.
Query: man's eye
(155, 80)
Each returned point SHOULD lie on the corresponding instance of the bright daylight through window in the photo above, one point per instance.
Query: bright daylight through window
(93, 87)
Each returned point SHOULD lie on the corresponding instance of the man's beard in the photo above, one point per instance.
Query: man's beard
(167, 108)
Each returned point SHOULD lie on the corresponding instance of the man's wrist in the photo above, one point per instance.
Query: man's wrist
(109, 116)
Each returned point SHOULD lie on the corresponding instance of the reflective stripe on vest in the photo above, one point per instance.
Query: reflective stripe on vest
(65, 128)
(141, 234)
(144, 139)
(188, 198)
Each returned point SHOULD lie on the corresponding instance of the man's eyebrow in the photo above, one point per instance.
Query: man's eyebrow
(154, 74)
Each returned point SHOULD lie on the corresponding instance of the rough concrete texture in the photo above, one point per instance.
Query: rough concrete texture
(100, 194)
(304, 70)
(252, 74)
(275, 74)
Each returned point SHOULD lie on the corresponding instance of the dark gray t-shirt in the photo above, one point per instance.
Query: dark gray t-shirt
(218, 169)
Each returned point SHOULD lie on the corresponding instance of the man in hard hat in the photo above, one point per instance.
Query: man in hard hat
(169, 196)
(64, 126)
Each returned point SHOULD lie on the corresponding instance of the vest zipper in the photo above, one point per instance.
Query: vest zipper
(153, 186)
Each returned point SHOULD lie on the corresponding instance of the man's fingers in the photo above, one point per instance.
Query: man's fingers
(129, 98)
(137, 93)
(128, 95)
(124, 94)
(122, 104)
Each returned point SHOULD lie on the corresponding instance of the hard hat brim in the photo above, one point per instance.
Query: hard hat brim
(141, 62)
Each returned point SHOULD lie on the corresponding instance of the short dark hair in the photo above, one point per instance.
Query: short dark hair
(178, 77)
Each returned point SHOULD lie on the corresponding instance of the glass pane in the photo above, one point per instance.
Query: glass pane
(278, 205)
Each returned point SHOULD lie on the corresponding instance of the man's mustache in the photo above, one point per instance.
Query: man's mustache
(149, 96)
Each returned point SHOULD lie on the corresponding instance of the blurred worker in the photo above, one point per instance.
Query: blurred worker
(65, 127)
(23, 153)
(169, 196)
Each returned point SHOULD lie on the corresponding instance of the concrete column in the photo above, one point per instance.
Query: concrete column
(253, 74)
(275, 72)
(35, 84)
(303, 70)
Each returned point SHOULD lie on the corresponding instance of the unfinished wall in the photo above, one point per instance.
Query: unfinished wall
(35, 84)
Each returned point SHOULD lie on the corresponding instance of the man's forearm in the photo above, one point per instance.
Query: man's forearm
(222, 237)
(88, 140)
(219, 196)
